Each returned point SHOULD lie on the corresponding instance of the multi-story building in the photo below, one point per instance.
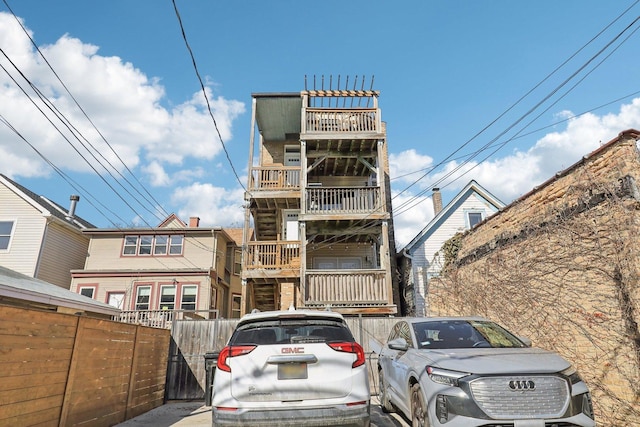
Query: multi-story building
(318, 230)
(158, 274)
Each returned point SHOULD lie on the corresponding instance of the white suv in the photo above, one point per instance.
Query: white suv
(291, 368)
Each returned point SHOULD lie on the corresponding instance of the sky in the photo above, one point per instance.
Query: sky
(503, 92)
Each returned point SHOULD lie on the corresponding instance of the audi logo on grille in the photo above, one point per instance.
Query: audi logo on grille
(522, 385)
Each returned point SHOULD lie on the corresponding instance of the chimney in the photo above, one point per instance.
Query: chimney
(194, 222)
(437, 201)
(72, 207)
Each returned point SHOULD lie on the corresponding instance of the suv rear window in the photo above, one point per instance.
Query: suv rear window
(290, 331)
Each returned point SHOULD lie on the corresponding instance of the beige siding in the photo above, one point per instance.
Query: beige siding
(128, 285)
(105, 253)
(63, 250)
(29, 226)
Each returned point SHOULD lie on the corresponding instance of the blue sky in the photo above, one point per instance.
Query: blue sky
(446, 70)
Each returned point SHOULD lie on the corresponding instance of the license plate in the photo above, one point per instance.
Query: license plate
(292, 371)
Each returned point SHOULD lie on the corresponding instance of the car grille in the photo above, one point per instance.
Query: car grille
(521, 397)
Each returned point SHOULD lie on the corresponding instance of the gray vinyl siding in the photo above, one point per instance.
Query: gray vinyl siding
(63, 250)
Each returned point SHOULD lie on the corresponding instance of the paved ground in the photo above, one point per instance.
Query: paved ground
(195, 414)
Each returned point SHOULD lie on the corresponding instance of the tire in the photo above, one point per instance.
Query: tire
(419, 414)
(383, 396)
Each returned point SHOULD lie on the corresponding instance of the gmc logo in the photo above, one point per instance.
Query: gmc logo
(289, 350)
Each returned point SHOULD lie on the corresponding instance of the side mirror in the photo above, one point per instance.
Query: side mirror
(526, 341)
(398, 344)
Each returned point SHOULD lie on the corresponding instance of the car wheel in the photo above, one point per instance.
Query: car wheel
(419, 416)
(383, 396)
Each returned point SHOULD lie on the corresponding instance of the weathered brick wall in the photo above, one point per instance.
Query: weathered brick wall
(560, 266)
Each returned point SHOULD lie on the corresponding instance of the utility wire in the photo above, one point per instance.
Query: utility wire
(204, 93)
(404, 207)
(157, 204)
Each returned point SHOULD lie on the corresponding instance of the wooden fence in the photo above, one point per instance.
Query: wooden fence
(186, 378)
(64, 370)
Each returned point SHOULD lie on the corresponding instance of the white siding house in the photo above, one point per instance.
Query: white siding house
(38, 237)
(422, 259)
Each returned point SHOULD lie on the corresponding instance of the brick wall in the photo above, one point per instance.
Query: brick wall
(560, 265)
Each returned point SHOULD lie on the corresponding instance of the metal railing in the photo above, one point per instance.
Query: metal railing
(162, 318)
(358, 120)
(360, 288)
(343, 199)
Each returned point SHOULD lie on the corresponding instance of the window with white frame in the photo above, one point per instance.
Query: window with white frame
(6, 231)
(474, 218)
(143, 297)
(236, 306)
(167, 297)
(87, 291)
(160, 245)
(176, 243)
(189, 297)
(146, 242)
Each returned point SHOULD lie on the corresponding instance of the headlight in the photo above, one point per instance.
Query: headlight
(444, 376)
(572, 374)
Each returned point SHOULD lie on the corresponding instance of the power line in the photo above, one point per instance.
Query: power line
(204, 93)
(158, 204)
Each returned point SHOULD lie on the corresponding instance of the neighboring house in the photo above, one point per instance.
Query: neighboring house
(423, 258)
(318, 204)
(172, 268)
(38, 237)
(19, 290)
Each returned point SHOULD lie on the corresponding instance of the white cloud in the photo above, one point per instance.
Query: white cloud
(215, 206)
(515, 174)
(411, 215)
(408, 161)
(123, 103)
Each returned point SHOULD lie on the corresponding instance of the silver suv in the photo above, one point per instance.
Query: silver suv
(291, 368)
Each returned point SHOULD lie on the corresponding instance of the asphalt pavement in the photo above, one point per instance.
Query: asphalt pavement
(195, 414)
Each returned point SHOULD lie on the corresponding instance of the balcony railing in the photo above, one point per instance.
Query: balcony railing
(273, 255)
(162, 318)
(343, 200)
(275, 178)
(361, 288)
(357, 120)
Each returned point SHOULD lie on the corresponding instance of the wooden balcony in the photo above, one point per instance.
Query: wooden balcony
(273, 255)
(275, 178)
(343, 200)
(346, 288)
(336, 120)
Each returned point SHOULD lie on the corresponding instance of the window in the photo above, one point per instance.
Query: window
(145, 245)
(6, 228)
(87, 291)
(175, 245)
(130, 245)
(116, 299)
(143, 294)
(236, 306)
(237, 262)
(167, 297)
(474, 218)
(189, 296)
(160, 245)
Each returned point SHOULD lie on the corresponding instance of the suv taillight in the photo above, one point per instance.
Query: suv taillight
(350, 347)
(232, 351)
